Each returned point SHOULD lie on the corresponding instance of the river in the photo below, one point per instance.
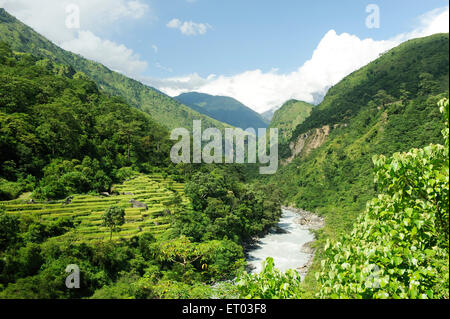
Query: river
(283, 245)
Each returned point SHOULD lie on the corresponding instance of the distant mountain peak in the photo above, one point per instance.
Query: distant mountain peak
(223, 108)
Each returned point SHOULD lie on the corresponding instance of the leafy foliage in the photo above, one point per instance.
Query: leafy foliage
(288, 117)
(270, 283)
(113, 218)
(62, 130)
(403, 233)
(226, 208)
(335, 180)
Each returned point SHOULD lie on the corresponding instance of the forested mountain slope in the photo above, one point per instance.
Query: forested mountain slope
(57, 126)
(64, 143)
(224, 109)
(416, 67)
(289, 116)
(161, 107)
(385, 107)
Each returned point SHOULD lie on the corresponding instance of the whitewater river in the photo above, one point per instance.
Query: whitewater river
(284, 247)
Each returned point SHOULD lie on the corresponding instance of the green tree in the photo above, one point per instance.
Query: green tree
(113, 218)
(270, 283)
(9, 229)
(399, 248)
(180, 251)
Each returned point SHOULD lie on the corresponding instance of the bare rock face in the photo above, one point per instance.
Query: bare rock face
(137, 204)
(307, 142)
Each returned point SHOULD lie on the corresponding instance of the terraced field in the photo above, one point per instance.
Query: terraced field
(154, 190)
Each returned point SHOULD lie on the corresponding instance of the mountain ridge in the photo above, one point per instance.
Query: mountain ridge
(289, 116)
(223, 108)
(385, 107)
(162, 108)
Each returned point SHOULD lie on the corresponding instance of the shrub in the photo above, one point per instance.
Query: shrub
(270, 283)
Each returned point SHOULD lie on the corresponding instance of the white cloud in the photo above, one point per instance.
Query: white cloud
(48, 17)
(336, 56)
(155, 48)
(435, 21)
(189, 27)
(115, 56)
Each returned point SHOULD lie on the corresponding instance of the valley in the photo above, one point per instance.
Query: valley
(357, 207)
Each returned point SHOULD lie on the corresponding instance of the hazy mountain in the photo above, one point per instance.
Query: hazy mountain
(224, 109)
(268, 115)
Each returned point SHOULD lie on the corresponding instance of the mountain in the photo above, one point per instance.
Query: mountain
(289, 116)
(161, 107)
(268, 115)
(224, 109)
(385, 107)
(62, 137)
(406, 69)
(59, 128)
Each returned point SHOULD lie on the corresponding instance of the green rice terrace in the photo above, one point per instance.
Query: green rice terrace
(157, 192)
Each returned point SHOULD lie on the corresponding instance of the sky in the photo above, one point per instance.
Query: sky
(260, 52)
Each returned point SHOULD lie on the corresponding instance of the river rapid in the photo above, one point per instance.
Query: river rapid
(285, 244)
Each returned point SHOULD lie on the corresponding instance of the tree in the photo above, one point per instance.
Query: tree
(400, 247)
(383, 98)
(9, 229)
(180, 251)
(270, 283)
(113, 218)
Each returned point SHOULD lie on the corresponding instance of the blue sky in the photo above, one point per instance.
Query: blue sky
(255, 34)
(259, 51)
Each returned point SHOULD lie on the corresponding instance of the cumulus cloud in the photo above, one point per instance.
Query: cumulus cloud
(435, 21)
(336, 56)
(189, 27)
(116, 56)
(95, 16)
